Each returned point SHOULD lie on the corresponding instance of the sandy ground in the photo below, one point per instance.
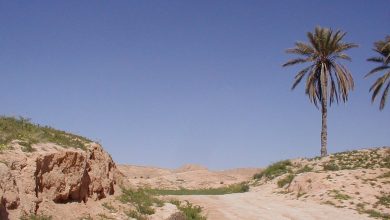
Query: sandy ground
(264, 206)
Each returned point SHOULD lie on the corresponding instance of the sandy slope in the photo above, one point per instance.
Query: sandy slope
(356, 181)
(264, 205)
(189, 176)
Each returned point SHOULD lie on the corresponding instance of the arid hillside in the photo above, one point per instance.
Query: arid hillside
(188, 176)
(357, 180)
(346, 185)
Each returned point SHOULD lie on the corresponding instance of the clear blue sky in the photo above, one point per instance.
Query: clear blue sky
(165, 83)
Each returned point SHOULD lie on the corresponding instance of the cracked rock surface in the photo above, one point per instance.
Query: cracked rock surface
(53, 175)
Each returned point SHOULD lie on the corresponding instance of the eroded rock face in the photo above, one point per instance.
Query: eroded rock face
(53, 174)
(9, 198)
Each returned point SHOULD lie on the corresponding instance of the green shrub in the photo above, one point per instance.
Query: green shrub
(141, 199)
(275, 170)
(3, 146)
(36, 217)
(234, 188)
(27, 146)
(286, 180)
(191, 212)
(331, 167)
(304, 169)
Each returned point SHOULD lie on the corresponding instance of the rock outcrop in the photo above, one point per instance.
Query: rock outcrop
(53, 174)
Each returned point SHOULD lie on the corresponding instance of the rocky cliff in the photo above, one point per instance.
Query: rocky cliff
(51, 174)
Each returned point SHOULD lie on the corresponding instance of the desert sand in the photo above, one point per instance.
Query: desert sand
(267, 206)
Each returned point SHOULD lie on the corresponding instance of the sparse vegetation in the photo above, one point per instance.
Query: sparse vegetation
(375, 214)
(350, 160)
(274, 170)
(304, 169)
(191, 212)
(234, 188)
(109, 207)
(338, 195)
(36, 217)
(141, 199)
(384, 200)
(286, 180)
(27, 146)
(328, 202)
(331, 166)
(360, 207)
(136, 215)
(27, 134)
(103, 216)
(177, 216)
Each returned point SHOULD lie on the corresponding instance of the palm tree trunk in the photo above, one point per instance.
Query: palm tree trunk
(324, 130)
(324, 108)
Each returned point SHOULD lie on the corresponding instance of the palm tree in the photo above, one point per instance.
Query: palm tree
(326, 78)
(383, 48)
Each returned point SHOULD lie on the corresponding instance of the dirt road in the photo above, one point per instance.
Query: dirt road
(265, 206)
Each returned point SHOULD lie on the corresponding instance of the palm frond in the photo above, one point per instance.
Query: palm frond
(300, 76)
(344, 80)
(376, 87)
(382, 47)
(333, 90)
(376, 59)
(305, 49)
(343, 56)
(377, 69)
(313, 42)
(384, 96)
(337, 38)
(311, 82)
(387, 59)
(325, 78)
(347, 46)
(295, 61)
